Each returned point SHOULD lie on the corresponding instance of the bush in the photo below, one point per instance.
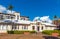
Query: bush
(19, 32)
(32, 31)
(49, 32)
(59, 32)
(10, 32)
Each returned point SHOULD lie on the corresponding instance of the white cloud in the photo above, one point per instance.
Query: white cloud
(8, 11)
(36, 18)
(4, 9)
(46, 18)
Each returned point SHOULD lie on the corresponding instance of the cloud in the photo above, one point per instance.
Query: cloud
(46, 18)
(43, 19)
(4, 9)
(36, 18)
(8, 11)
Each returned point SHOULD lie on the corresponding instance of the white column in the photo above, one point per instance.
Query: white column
(9, 27)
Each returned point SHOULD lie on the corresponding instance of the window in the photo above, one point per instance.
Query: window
(14, 27)
(3, 27)
(12, 17)
(0, 27)
(18, 27)
(17, 16)
(24, 27)
(33, 27)
(8, 17)
(42, 28)
(23, 18)
(1, 17)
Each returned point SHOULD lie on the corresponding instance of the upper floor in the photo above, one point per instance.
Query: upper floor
(12, 16)
(24, 18)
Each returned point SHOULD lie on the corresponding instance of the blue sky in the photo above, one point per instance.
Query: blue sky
(33, 8)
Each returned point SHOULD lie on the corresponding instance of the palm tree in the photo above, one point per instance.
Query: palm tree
(10, 7)
(55, 17)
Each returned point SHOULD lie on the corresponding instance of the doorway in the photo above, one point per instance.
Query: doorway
(38, 28)
(33, 27)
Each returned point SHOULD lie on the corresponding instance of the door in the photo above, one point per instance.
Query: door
(38, 28)
(33, 27)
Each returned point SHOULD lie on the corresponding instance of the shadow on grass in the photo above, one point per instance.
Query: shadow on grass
(50, 37)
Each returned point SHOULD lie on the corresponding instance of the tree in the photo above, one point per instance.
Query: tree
(55, 17)
(10, 7)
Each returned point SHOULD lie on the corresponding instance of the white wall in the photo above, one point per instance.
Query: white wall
(17, 14)
(4, 28)
(9, 27)
(20, 27)
(49, 28)
(30, 27)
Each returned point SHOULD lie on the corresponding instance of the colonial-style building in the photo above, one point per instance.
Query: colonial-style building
(14, 21)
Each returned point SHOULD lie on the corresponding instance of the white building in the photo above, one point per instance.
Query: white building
(16, 22)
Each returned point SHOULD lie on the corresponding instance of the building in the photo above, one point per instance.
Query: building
(14, 21)
(57, 23)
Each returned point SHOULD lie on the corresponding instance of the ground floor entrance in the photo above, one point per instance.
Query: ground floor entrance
(38, 28)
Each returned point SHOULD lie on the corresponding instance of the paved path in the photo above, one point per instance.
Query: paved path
(21, 36)
(49, 37)
(30, 36)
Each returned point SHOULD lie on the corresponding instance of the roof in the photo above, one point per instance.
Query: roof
(45, 23)
(11, 23)
(15, 22)
(50, 24)
(21, 21)
(7, 14)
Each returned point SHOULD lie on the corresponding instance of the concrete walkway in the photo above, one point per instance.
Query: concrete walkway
(29, 36)
(21, 36)
(49, 37)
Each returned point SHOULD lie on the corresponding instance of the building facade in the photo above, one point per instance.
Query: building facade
(14, 21)
(57, 23)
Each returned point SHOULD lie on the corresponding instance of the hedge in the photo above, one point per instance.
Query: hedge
(32, 31)
(19, 32)
(49, 32)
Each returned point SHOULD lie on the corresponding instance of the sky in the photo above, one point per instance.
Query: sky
(34, 8)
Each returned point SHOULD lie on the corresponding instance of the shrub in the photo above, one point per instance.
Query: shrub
(10, 32)
(19, 32)
(49, 32)
(59, 32)
(55, 31)
(32, 31)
